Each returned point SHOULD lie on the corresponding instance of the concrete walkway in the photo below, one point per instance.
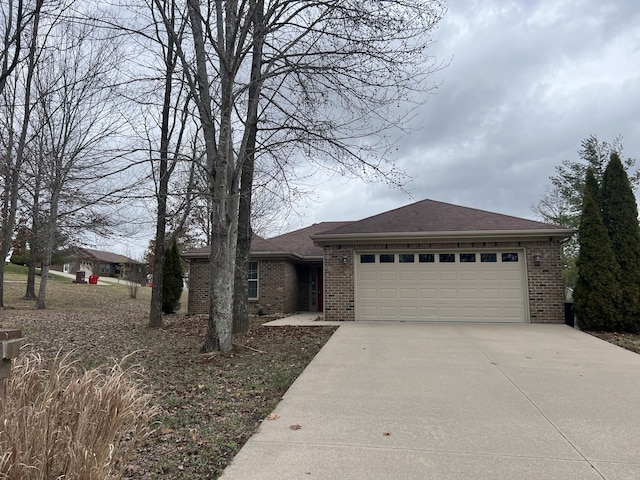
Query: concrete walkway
(443, 401)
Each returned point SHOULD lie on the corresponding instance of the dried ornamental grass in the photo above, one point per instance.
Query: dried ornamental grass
(68, 423)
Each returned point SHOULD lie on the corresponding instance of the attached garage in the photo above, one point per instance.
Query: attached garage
(437, 262)
(464, 286)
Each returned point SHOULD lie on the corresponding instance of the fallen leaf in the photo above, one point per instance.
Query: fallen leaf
(387, 434)
(166, 431)
(272, 416)
(295, 427)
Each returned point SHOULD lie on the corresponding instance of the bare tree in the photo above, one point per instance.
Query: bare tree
(21, 24)
(322, 77)
(74, 123)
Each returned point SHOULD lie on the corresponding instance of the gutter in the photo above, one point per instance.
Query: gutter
(353, 238)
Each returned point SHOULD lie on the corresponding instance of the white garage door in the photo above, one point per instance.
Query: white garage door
(441, 286)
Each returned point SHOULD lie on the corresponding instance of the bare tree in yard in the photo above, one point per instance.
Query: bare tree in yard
(165, 124)
(321, 78)
(20, 36)
(74, 119)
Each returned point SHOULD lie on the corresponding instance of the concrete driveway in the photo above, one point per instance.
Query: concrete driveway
(443, 401)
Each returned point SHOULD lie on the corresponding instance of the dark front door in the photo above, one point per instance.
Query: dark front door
(315, 289)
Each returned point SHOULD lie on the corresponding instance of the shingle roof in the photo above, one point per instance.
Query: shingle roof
(297, 243)
(427, 217)
(105, 257)
(432, 216)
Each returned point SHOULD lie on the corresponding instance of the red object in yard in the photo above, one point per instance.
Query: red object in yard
(93, 279)
(150, 284)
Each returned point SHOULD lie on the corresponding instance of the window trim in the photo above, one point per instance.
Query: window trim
(252, 280)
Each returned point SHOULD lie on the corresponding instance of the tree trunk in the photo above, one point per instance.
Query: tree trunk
(245, 232)
(12, 190)
(30, 294)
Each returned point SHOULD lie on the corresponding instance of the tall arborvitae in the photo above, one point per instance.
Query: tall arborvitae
(172, 280)
(597, 295)
(620, 218)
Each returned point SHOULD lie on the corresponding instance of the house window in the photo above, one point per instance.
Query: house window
(406, 258)
(488, 257)
(426, 257)
(367, 258)
(387, 258)
(447, 257)
(467, 257)
(253, 280)
(509, 257)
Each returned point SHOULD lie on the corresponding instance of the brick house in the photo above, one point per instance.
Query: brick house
(428, 261)
(104, 264)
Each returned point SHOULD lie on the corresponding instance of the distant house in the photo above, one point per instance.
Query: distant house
(429, 261)
(105, 264)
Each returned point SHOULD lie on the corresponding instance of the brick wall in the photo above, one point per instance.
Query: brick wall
(277, 287)
(546, 292)
(198, 286)
(339, 283)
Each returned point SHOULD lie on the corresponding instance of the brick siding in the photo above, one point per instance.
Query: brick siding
(278, 282)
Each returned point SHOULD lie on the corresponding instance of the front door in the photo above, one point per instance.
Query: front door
(315, 289)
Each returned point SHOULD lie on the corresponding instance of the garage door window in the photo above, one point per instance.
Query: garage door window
(406, 258)
(447, 257)
(509, 257)
(387, 258)
(467, 257)
(367, 258)
(488, 257)
(426, 257)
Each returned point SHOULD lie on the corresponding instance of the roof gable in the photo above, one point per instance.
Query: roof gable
(430, 216)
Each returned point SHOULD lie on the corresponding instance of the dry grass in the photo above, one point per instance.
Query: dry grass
(67, 422)
(210, 405)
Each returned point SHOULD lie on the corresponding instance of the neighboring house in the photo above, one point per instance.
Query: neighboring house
(428, 261)
(105, 264)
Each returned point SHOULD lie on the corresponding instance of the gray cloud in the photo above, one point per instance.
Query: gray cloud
(527, 82)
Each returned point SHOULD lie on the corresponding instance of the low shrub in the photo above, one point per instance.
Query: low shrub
(71, 423)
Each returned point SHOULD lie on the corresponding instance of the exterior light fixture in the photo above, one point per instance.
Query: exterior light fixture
(537, 259)
(345, 259)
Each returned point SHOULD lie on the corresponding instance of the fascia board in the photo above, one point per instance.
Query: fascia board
(501, 235)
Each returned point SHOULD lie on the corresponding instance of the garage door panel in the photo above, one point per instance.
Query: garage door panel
(469, 275)
(388, 312)
(512, 293)
(368, 293)
(470, 293)
(449, 313)
(407, 293)
(368, 312)
(489, 275)
(427, 276)
(470, 313)
(511, 275)
(428, 313)
(408, 312)
(407, 276)
(428, 293)
(447, 291)
(388, 293)
(386, 276)
(451, 275)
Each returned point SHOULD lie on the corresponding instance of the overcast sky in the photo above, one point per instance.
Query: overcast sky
(528, 81)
